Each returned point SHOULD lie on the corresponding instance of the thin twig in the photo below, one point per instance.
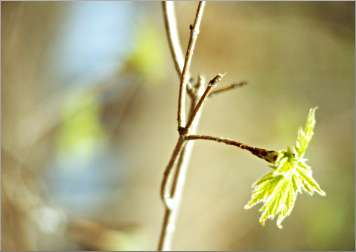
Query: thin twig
(170, 23)
(175, 48)
(212, 83)
(194, 32)
(195, 113)
(175, 154)
(182, 155)
(171, 212)
(182, 150)
(171, 193)
(269, 156)
(227, 88)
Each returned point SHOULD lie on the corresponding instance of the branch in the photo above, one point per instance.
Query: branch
(212, 83)
(172, 203)
(194, 32)
(227, 88)
(165, 195)
(170, 22)
(183, 149)
(173, 35)
(184, 157)
(269, 156)
(175, 154)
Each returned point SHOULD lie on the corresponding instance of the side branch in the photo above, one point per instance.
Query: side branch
(227, 88)
(269, 156)
(212, 83)
(194, 32)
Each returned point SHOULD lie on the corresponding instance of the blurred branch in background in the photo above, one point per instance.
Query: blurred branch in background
(57, 128)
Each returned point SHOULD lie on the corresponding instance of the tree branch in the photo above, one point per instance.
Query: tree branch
(227, 88)
(269, 156)
(172, 203)
(183, 149)
(173, 35)
(175, 154)
(195, 113)
(194, 32)
(212, 83)
(184, 158)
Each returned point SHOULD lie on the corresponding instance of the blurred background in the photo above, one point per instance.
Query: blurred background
(89, 99)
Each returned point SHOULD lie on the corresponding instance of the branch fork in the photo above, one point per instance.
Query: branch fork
(172, 186)
(165, 195)
(290, 163)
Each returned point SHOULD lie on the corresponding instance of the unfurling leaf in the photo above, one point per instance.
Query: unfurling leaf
(277, 190)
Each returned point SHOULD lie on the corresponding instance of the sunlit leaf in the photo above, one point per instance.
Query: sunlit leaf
(278, 189)
(305, 135)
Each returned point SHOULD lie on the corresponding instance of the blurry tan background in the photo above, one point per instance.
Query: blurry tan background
(89, 97)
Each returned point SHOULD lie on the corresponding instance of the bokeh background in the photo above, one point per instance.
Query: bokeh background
(89, 98)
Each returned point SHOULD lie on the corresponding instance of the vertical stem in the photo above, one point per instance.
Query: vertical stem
(171, 214)
(194, 32)
(175, 154)
(183, 150)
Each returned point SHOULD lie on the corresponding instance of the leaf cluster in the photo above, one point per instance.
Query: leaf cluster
(291, 175)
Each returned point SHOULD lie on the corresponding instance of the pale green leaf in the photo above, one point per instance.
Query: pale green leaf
(278, 190)
(305, 135)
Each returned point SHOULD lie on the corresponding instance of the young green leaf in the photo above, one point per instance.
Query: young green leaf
(278, 189)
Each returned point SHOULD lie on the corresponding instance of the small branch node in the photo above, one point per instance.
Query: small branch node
(201, 81)
(191, 91)
(214, 81)
(182, 131)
